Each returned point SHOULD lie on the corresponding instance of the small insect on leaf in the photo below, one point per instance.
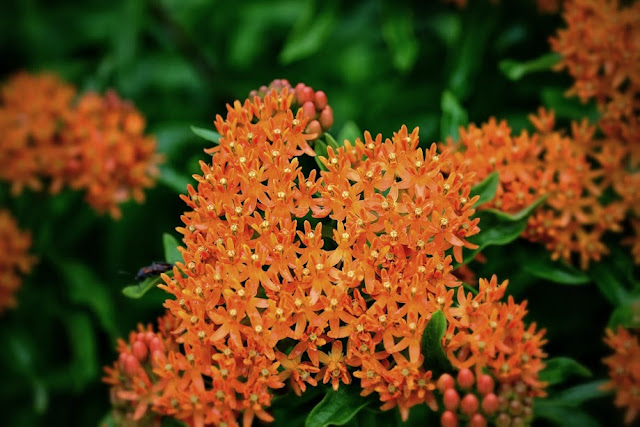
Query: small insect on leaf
(153, 270)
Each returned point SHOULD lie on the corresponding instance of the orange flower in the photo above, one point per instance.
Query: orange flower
(15, 260)
(624, 370)
(341, 271)
(106, 153)
(33, 111)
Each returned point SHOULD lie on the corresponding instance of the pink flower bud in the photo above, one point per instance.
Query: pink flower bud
(309, 110)
(314, 127)
(140, 350)
(320, 100)
(326, 118)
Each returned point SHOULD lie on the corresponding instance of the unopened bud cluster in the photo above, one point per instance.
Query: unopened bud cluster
(475, 403)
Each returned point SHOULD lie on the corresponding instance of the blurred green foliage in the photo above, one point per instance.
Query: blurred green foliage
(382, 64)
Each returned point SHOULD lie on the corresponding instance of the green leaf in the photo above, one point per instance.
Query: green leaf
(85, 287)
(84, 364)
(138, 290)
(331, 142)
(320, 147)
(338, 407)
(486, 189)
(562, 415)
(209, 135)
(559, 369)
(453, 116)
(608, 283)
(310, 33)
(350, 131)
(537, 262)
(627, 314)
(435, 358)
(174, 180)
(398, 33)
(577, 395)
(515, 70)
(499, 228)
(171, 252)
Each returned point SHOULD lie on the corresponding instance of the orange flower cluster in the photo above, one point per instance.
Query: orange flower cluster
(314, 104)
(106, 153)
(33, 110)
(624, 370)
(261, 299)
(490, 336)
(573, 219)
(15, 260)
(138, 377)
(600, 49)
(97, 145)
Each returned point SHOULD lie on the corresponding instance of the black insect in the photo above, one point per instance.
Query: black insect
(153, 270)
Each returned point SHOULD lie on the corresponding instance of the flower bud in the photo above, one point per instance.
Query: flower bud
(140, 350)
(314, 127)
(448, 419)
(326, 118)
(320, 100)
(485, 384)
(451, 399)
(490, 403)
(478, 421)
(131, 365)
(445, 382)
(469, 404)
(466, 378)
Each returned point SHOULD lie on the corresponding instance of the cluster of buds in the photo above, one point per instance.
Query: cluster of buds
(96, 144)
(314, 104)
(462, 401)
(15, 261)
(136, 389)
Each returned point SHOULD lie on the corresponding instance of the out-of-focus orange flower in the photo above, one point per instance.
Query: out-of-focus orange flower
(106, 153)
(33, 111)
(97, 146)
(600, 49)
(15, 261)
(624, 370)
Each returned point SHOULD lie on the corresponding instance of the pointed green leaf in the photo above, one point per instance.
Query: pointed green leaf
(82, 338)
(486, 189)
(627, 314)
(537, 262)
(338, 407)
(350, 131)
(559, 369)
(563, 415)
(320, 147)
(453, 116)
(171, 252)
(139, 289)
(311, 31)
(515, 70)
(578, 395)
(608, 282)
(499, 228)
(398, 33)
(174, 180)
(331, 142)
(85, 287)
(435, 358)
(209, 135)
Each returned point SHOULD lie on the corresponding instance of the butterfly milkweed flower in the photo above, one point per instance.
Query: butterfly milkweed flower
(106, 153)
(298, 278)
(15, 261)
(573, 218)
(33, 111)
(624, 370)
(95, 144)
(600, 49)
